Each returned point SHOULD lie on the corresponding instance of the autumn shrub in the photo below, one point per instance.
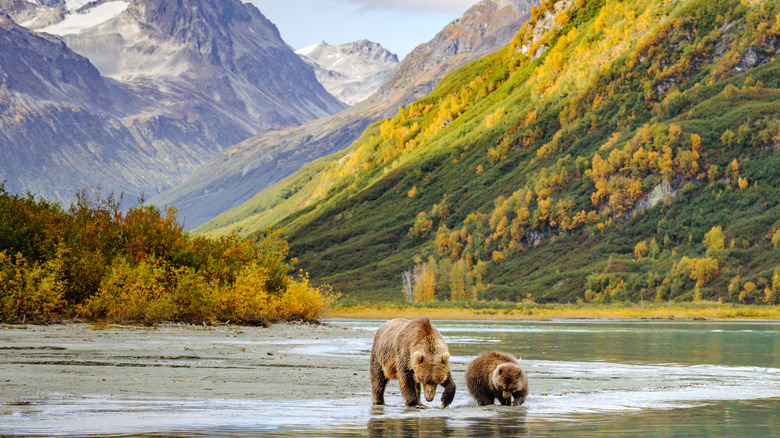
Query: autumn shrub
(100, 262)
(301, 302)
(195, 297)
(28, 291)
(134, 292)
(247, 299)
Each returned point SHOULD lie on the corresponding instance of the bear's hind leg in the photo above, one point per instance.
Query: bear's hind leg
(484, 399)
(378, 382)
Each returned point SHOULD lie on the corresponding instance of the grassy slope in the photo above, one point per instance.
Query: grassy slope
(616, 73)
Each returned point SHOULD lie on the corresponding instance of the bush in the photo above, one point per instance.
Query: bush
(29, 291)
(301, 302)
(134, 292)
(99, 262)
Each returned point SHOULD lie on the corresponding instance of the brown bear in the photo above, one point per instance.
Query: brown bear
(497, 375)
(414, 353)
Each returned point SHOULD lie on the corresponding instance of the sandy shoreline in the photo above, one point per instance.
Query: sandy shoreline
(178, 362)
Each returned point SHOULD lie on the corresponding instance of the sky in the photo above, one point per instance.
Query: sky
(398, 25)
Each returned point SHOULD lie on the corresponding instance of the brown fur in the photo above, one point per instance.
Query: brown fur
(414, 353)
(494, 376)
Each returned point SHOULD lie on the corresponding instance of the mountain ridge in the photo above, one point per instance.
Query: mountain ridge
(171, 95)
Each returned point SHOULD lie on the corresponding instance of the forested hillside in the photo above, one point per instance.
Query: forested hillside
(614, 151)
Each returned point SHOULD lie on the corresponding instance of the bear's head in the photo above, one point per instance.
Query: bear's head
(430, 370)
(509, 378)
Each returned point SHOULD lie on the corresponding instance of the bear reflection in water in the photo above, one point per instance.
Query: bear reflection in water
(506, 422)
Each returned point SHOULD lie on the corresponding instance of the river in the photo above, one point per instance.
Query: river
(586, 378)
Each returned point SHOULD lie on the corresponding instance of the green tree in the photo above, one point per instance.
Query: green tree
(727, 138)
(422, 225)
(734, 286)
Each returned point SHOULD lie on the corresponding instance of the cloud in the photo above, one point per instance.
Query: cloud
(445, 6)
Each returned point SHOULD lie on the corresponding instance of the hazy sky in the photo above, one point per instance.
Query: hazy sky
(398, 25)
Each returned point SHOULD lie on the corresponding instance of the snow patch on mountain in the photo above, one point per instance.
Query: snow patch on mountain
(308, 49)
(75, 23)
(352, 72)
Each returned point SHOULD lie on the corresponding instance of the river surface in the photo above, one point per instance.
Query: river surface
(586, 378)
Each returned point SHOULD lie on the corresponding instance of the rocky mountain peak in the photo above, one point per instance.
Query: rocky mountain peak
(484, 27)
(41, 66)
(351, 71)
(206, 26)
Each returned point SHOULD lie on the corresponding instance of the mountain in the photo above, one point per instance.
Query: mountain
(352, 72)
(483, 29)
(240, 172)
(614, 151)
(193, 78)
(55, 121)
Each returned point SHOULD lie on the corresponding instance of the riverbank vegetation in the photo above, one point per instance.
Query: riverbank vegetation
(502, 310)
(96, 262)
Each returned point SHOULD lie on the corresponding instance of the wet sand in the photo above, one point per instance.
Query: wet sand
(179, 362)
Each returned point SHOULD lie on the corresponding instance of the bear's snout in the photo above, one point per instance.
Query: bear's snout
(430, 392)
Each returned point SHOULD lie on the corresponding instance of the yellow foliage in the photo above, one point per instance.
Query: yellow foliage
(424, 284)
(702, 270)
(134, 292)
(301, 302)
(422, 225)
(494, 117)
(735, 168)
(29, 291)
(247, 299)
(695, 142)
(459, 283)
(640, 249)
(714, 240)
(748, 289)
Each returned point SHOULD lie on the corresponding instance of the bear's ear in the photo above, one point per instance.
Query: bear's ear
(500, 371)
(418, 357)
(445, 358)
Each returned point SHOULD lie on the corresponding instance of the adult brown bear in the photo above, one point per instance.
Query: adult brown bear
(494, 376)
(414, 353)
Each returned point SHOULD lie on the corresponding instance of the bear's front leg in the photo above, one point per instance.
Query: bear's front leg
(409, 389)
(449, 391)
(518, 398)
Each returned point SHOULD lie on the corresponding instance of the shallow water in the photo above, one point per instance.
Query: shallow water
(587, 378)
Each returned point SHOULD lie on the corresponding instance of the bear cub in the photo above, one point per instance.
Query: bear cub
(497, 375)
(414, 353)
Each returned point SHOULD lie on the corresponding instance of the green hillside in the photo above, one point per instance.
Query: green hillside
(614, 151)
